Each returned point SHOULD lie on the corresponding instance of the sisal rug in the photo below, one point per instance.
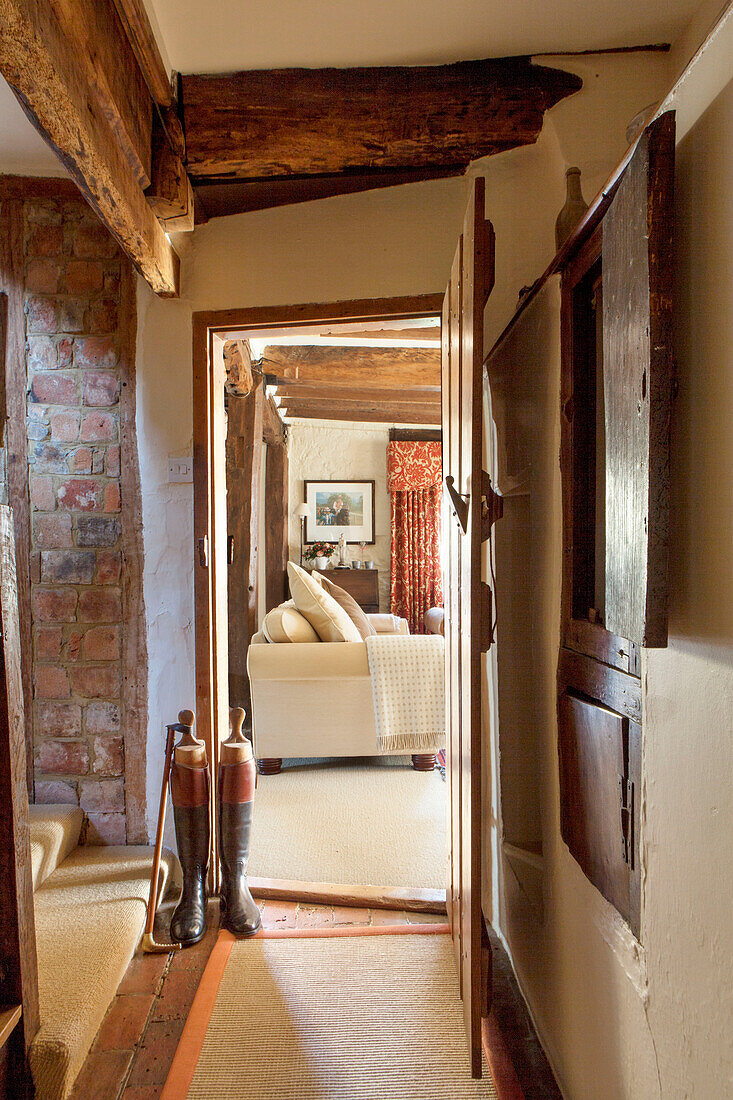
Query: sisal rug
(372, 822)
(350, 1017)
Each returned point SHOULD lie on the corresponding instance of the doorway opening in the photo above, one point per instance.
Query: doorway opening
(469, 504)
(296, 411)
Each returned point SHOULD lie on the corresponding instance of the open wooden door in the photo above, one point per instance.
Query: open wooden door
(469, 514)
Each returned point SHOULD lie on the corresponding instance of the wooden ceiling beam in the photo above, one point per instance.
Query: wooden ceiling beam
(170, 194)
(383, 368)
(307, 391)
(106, 56)
(140, 33)
(238, 364)
(220, 196)
(45, 68)
(313, 122)
(394, 413)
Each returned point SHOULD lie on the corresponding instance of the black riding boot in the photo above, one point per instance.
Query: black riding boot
(190, 788)
(239, 911)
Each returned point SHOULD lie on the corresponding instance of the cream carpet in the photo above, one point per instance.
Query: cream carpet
(54, 833)
(90, 914)
(355, 1018)
(374, 822)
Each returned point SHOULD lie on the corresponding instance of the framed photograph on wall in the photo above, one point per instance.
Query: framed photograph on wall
(338, 508)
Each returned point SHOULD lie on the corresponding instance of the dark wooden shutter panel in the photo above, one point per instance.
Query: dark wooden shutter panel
(637, 366)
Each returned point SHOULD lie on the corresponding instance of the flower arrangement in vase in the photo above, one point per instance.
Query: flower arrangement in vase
(319, 553)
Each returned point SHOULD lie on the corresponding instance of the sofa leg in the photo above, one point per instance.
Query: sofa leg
(423, 761)
(270, 765)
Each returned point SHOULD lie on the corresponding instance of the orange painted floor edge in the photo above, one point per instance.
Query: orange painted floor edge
(191, 1042)
(499, 1061)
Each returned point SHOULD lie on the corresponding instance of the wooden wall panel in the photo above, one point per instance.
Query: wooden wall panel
(599, 755)
(637, 318)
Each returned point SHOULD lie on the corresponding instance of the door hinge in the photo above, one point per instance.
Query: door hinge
(626, 806)
(492, 506)
(230, 549)
(204, 552)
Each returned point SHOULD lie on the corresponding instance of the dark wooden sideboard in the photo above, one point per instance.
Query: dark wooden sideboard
(362, 584)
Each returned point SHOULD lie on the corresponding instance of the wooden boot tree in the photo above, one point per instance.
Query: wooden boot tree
(190, 752)
(237, 749)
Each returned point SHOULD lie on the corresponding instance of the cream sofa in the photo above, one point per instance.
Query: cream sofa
(315, 699)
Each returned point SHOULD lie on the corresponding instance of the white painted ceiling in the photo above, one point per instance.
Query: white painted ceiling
(226, 35)
(22, 149)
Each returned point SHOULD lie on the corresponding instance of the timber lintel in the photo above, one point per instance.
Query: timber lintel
(97, 118)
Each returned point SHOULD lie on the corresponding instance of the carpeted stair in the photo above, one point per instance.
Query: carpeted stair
(90, 907)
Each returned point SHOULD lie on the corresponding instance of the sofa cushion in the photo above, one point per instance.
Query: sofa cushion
(286, 624)
(328, 619)
(350, 606)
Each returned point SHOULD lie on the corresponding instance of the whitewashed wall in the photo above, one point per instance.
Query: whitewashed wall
(328, 449)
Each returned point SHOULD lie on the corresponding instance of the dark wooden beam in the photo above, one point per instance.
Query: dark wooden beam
(379, 414)
(312, 122)
(243, 470)
(389, 368)
(277, 523)
(219, 197)
(137, 26)
(51, 78)
(412, 435)
(170, 194)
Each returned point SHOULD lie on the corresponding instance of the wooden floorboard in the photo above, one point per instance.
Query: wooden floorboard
(334, 893)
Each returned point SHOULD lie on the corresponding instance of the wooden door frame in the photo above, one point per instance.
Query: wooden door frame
(209, 632)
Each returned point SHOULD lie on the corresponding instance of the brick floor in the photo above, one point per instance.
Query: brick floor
(134, 1048)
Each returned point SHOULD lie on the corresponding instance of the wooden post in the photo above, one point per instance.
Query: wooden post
(12, 362)
(18, 965)
(277, 521)
(244, 466)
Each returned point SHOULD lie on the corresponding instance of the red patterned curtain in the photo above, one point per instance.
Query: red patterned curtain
(414, 473)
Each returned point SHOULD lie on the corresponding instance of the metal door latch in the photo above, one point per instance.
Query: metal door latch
(626, 805)
(459, 501)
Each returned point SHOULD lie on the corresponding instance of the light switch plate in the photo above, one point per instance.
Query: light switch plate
(180, 469)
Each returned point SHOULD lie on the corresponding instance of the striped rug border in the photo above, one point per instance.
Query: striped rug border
(192, 1038)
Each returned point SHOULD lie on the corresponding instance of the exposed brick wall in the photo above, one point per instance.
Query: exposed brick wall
(73, 303)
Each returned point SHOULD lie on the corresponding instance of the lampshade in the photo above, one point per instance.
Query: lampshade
(302, 511)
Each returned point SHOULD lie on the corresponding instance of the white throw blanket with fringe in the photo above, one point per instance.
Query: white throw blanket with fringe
(408, 688)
